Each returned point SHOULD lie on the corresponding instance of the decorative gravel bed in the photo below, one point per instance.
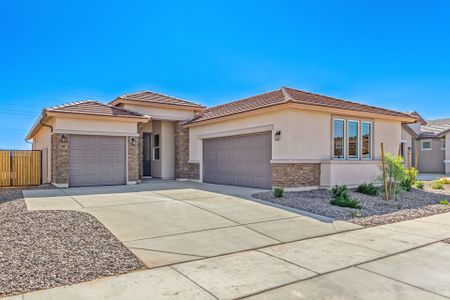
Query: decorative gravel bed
(44, 249)
(375, 210)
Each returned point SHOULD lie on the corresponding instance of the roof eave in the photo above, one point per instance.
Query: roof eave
(79, 114)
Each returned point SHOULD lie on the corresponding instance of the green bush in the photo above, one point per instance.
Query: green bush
(368, 189)
(412, 174)
(437, 185)
(444, 180)
(420, 185)
(278, 192)
(406, 184)
(342, 198)
(443, 202)
(395, 173)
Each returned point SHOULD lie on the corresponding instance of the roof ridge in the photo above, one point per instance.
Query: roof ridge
(352, 102)
(240, 100)
(286, 94)
(68, 104)
(159, 94)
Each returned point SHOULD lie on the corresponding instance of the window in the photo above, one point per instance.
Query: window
(353, 140)
(366, 133)
(156, 147)
(443, 144)
(426, 145)
(338, 138)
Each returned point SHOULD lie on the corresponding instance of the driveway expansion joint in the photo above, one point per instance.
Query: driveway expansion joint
(185, 276)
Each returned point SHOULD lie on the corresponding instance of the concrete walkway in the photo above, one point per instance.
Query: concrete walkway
(204, 243)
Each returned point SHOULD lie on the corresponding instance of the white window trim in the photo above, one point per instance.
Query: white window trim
(371, 140)
(358, 138)
(344, 150)
(443, 144)
(421, 145)
(156, 147)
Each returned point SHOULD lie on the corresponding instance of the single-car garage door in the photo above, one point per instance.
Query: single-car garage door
(242, 160)
(97, 160)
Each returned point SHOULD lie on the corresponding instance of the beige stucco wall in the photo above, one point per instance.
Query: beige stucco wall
(305, 137)
(160, 113)
(42, 141)
(100, 126)
(350, 173)
(165, 166)
(447, 153)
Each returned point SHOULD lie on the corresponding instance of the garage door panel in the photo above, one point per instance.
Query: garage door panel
(238, 160)
(97, 160)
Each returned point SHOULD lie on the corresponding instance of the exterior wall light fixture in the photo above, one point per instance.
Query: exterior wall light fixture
(133, 140)
(64, 138)
(277, 135)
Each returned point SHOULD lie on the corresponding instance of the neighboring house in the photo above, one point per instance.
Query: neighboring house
(284, 138)
(428, 140)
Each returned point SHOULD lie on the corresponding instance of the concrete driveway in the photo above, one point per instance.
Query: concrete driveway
(211, 242)
(166, 222)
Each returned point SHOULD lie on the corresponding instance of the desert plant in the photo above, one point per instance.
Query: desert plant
(342, 198)
(395, 173)
(367, 189)
(437, 185)
(420, 184)
(444, 180)
(412, 174)
(355, 213)
(443, 202)
(278, 192)
(406, 183)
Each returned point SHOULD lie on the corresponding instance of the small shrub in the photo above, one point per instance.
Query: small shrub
(412, 174)
(420, 185)
(444, 180)
(436, 185)
(395, 173)
(443, 202)
(342, 198)
(355, 213)
(406, 183)
(367, 189)
(278, 192)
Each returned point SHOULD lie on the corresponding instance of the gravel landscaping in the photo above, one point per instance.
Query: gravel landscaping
(375, 210)
(44, 249)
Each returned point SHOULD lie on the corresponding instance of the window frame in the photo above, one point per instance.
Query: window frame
(371, 140)
(358, 142)
(443, 144)
(424, 141)
(154, 147)
(344, 144)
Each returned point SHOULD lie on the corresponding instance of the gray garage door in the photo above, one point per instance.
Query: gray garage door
(238, 160)
(97, 160)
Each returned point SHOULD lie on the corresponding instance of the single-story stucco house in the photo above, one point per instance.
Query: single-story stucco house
(284, 137)
(427, 141)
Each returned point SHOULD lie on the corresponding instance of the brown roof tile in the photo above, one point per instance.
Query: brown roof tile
(152, 97)
(90, 107)
(288, 95)
(435, 128)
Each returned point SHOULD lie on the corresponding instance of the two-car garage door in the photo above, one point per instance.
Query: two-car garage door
(97, 160)
(242, 160)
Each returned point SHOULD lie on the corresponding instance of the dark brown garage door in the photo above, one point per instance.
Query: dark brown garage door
(97, 160)
(242, 160)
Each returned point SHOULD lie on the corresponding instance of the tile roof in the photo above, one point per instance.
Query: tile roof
(289, 95)
(90, 107)
(435, 127)
(152, 97)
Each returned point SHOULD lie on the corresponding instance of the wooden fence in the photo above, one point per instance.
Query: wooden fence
(20, 167)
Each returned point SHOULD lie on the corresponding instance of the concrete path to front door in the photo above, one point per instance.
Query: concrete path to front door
(209, 242)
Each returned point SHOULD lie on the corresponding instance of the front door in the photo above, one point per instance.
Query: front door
(147, 155)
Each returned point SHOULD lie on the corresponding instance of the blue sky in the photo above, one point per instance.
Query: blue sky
(394, 54)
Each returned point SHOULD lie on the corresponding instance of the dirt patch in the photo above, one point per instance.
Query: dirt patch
(45, 249)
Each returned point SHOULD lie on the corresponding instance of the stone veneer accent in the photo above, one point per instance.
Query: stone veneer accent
(141, 150)
(295, 174)
(194, 171)
(60, 159)
(133, 160)
(182, 167)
